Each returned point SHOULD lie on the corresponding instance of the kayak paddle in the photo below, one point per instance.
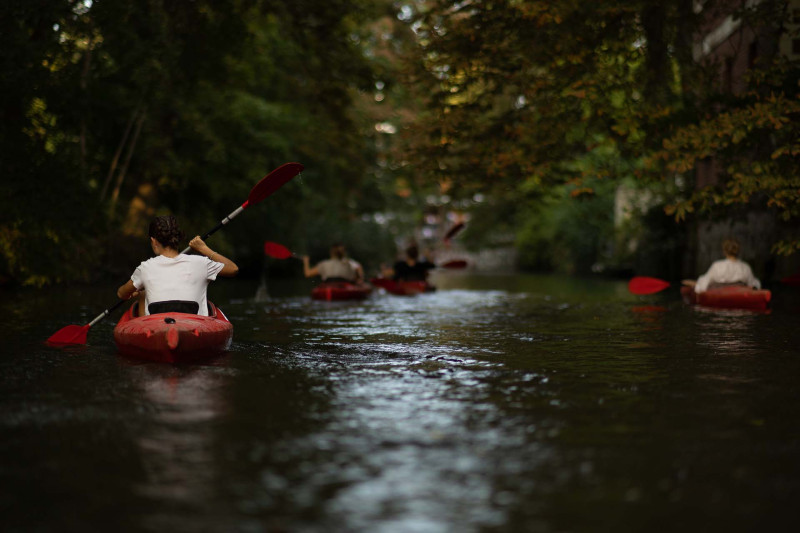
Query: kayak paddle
(269, 184)
(453, 231)
(646, 285)
(278, 251)
(455, 264)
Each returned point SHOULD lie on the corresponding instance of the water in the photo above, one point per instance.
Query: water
(498, 403)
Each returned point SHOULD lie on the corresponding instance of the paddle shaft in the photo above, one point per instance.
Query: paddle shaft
(105, 313)
(219, 226)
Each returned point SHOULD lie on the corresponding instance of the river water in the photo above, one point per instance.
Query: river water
(498, 403)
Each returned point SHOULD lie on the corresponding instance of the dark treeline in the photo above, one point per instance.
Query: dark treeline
(536, 119)
(115, 111)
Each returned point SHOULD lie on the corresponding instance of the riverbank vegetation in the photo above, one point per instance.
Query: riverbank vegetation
(577, 128)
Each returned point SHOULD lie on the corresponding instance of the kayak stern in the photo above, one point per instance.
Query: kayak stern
(173, 337)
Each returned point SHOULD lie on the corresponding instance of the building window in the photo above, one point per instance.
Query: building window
(796, 46)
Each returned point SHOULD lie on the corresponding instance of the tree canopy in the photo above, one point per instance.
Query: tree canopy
(531, 114)
(115, 111)
(528, 98)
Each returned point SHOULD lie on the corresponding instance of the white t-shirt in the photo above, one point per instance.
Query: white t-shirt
(727, 271)
(336, 268)
(184, 277)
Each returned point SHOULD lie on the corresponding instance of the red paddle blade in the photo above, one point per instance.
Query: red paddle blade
(273, 181)
(645, 285)
(455, 263)
(278, 251)
(69, 335)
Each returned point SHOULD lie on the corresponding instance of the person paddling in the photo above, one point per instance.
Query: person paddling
(338, 267)
(728, 271)
(172, 281)
(411, 268)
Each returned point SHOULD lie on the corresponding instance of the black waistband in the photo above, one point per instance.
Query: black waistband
(174, 306)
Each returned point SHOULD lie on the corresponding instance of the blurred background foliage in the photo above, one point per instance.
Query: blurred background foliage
(529, 117)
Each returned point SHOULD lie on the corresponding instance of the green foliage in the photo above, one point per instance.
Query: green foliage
(111, 112)
(740, 139)
(517, 93)
(115, 111)
(565, 233)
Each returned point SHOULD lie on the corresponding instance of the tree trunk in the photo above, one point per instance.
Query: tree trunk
(128, 156)
(657, 83)
(87, 61)
(115, 161)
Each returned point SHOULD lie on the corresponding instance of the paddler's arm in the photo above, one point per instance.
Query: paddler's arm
(386, 271)
(309, 271)
(125, 292)
(359, 272)
(230, 268)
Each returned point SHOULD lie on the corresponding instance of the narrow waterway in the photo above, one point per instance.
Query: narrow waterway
(497, 403)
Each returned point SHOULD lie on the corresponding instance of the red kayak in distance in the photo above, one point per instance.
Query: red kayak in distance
(729, 297)
(341, 290)
(402, 288)
(455, 264)
(173, 337)
(793, 280)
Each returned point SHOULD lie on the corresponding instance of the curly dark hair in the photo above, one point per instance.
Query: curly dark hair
(730, 247)
(166, 231)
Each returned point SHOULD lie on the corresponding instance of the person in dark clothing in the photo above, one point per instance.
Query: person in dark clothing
(412, 268)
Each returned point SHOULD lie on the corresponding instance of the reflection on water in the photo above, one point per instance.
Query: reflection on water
(177, 449)
(510, 403)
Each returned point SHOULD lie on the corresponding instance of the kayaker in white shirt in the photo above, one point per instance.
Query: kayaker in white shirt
(728, 271)
(338, 268)
(171, 276)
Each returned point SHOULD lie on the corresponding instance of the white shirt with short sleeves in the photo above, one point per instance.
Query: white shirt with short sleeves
(184, 277)
(336, 268)
(727, 271)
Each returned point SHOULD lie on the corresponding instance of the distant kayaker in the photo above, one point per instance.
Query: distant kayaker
(411, 268)
(728, 271)
(338, 267)
(172, 281)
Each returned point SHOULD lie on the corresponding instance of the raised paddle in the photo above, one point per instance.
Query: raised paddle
(646, 285)
(269, 184)
(453, 231)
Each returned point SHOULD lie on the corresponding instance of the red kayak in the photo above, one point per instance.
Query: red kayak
(173, 337)
(729, 297)
(793, 280)
(340, 290)
(402, 288)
